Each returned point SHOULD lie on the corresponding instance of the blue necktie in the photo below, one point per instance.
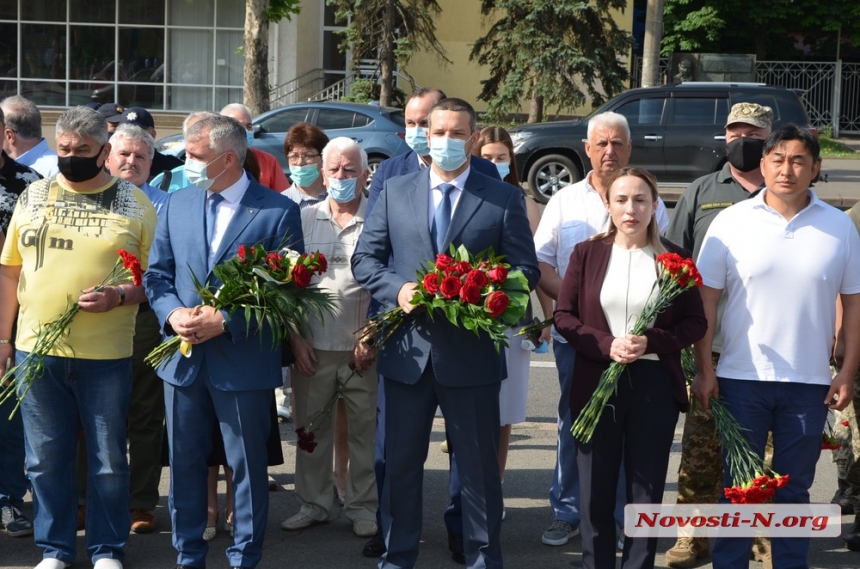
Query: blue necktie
(442, 217)
(211, 216)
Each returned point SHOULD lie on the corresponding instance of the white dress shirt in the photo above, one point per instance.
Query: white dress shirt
(225, 212)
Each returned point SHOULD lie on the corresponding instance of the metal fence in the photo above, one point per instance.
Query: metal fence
(827, 85)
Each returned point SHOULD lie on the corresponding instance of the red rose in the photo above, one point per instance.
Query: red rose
(477, 278)
(845, 423)
(498, 274)
(497, 303)
(301, 276)
(431, 283)
(450, 287)
(462, 267)
(274, 259)
(323, 263)
(243, 254)
(443, 261)
(470, 293)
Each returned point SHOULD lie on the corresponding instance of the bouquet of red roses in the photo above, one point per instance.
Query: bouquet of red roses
(675, 275)
(269, 287)
(475, 292)
(126, 269)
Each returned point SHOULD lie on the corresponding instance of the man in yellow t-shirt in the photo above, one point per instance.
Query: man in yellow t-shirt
(63, 239)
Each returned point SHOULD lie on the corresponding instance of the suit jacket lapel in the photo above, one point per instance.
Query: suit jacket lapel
(468, 204)
(248, 208)
(419, 200)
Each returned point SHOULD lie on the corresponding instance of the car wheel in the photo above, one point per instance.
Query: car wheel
(551, 173)
(373, 163)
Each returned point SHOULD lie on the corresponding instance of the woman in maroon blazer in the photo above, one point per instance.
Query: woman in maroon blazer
(609, 281)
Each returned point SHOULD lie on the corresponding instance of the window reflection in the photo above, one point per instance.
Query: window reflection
(43, 54)
(46, 10)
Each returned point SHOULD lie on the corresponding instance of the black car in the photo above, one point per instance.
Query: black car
(678, 133)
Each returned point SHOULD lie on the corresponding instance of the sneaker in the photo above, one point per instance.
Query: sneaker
(364, 528)
(301, 521)
(107, 563)
(15, 522)
(284, 413)
(143, 521)
(52, 563)
(443, 446)
(687, 551)
(558, 533)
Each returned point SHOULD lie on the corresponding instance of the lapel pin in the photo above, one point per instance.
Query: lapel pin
(250, 211)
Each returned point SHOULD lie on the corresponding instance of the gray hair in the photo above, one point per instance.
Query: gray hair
(83, 122)
(194, 117)
(238, 107)
(23, 116)
(224, 135)
(344, 144)
(610, 120)
(134, 132)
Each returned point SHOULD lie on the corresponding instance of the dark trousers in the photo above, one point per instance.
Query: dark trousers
(472, 423)
(638, 426)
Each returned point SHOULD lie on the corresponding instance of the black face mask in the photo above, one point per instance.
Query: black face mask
(745, 153)
(80, 168)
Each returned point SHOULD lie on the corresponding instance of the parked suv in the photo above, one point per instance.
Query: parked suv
(678, 133)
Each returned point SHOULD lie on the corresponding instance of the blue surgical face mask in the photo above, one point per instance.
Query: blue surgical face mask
(416, 138)
(448, 153)
(304, 176)
(195, 173)
(342, 191)
(504, 169)
(250, 135)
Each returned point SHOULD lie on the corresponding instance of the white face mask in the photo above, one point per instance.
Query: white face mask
(195, 172)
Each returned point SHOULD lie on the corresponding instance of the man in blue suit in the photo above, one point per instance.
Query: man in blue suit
(429, 363)
(233, 367)
(416, 113)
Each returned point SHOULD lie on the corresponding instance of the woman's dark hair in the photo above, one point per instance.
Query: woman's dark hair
(305, 134)
(493, 134)
(252, 165)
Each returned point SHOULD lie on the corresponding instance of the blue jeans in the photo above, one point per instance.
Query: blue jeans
(13, 481)
(795, 413)
(564, 492)
(97, 392)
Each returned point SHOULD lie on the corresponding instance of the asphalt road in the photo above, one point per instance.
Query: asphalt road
(530, 465)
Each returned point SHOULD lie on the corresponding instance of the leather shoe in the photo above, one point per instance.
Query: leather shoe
(455, 546)
(375, 546)
(189, 567)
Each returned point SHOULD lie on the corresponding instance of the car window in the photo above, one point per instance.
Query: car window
(361, 120)
(335, 118)
(281, 122)
(697, 110)
(643, 111)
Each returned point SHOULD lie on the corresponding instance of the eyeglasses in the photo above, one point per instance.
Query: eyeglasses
(302, 157)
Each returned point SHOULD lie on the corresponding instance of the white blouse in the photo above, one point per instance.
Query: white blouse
(630, 283)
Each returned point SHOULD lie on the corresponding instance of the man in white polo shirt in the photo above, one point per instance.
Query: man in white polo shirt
(781, 258)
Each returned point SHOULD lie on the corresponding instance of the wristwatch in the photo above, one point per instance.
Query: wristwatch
(121, 292)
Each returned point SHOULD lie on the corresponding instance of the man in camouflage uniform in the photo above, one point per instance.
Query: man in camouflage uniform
(701, 472)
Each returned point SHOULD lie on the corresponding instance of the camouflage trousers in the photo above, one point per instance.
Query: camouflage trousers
(846, 456)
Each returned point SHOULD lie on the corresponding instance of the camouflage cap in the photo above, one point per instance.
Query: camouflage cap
(751, 113)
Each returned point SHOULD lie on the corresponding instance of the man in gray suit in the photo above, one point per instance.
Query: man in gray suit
(429, 363)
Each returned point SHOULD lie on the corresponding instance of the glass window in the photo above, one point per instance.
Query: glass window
(229, 65)
(142, 13)
(643, 111)
(189, 97)
(361, 120)
(333, 58)
(47, 10)
(8, 50)
(91, 51)
(334, 118)
(43, 54)
(45, 92)
(8, 88)
(196, 13)
(8, 11)
(191, 58)
(694, 111)
(722, 112)
(282, 121)
(95, 11)
(329, 16)
(142, 52)
(224, 97)
(230, 14)
(146, 95)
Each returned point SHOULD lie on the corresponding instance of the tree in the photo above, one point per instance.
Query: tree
(548, 51)
(390, 32)
(258, 15)
(770, 29)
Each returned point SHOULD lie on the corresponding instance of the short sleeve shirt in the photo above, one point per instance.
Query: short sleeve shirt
(14, 179)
